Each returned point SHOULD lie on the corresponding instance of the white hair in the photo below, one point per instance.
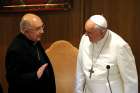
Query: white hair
(24, 25)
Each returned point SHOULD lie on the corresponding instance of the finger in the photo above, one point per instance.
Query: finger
(44, 66)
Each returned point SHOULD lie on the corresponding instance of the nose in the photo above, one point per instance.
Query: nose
(41, 31)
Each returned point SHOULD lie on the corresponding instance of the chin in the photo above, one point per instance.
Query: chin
(38, 39)
(94, 41)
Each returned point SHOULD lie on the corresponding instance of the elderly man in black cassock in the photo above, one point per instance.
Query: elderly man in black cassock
(28, 69)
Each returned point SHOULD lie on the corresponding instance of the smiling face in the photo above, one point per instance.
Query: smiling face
(34, 29)
(93, 32)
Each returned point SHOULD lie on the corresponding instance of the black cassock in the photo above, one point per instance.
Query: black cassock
(22, 64)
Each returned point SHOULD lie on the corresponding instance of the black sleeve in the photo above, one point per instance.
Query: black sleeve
(18, 69)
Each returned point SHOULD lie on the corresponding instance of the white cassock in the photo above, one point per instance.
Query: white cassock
(111, 50)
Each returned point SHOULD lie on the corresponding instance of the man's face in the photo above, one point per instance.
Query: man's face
(35, 31)
(92, 32)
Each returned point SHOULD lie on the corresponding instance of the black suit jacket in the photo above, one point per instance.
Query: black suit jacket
(21, 67)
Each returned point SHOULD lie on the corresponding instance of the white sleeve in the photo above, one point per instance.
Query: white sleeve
(80, 78)
(128, 71)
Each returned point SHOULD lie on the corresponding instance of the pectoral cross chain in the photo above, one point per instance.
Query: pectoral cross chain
(91, 71)
(38, 55)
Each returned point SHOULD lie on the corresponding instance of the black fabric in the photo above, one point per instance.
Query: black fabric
(22, 64)
(41, 58)
(1, 89)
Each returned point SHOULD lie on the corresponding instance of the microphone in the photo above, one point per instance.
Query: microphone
(108, 67)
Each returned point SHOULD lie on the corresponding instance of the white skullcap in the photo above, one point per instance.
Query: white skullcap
(99, 20)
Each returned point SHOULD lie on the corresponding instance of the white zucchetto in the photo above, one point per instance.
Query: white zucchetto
(99, 20)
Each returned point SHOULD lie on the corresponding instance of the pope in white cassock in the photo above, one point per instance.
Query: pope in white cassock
(105, 62)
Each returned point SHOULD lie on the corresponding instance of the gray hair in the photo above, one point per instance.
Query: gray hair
(24, 25)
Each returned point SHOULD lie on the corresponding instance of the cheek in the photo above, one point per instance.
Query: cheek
(100, 35)
(90, 36)
(97, 35)
(94, 35)
(34, 36)
(39, 35)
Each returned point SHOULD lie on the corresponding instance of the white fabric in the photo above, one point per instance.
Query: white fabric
(116, 53)
(99, 20)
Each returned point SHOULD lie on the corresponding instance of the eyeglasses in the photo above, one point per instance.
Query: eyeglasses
(41, 28)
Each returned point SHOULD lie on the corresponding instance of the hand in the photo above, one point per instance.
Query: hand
(41, 70)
